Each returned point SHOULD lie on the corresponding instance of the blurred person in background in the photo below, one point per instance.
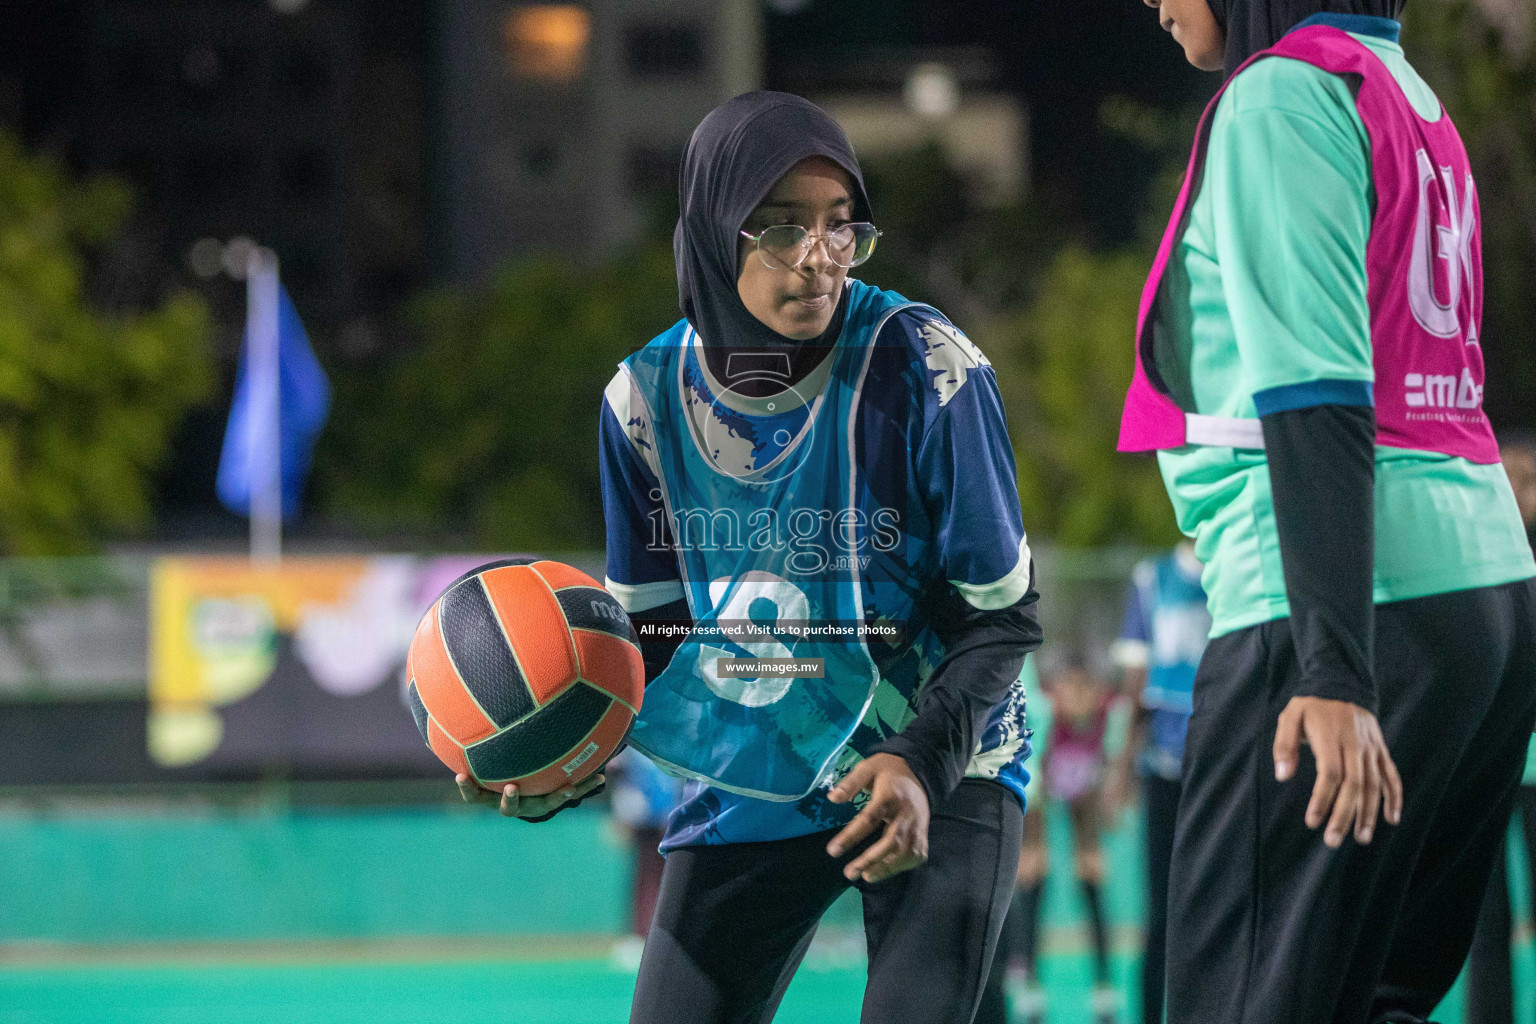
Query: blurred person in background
(1014, 981)
(1072, 773)
(1490, 983)
(1076, 771)
(641, 796)
(1166, 628)
(1309, 371)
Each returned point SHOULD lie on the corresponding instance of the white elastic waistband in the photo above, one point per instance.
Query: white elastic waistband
(1223, 431)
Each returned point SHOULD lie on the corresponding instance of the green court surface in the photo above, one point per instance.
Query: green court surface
(377, 917)
(524, 991)
(382, 993)
(407, 992)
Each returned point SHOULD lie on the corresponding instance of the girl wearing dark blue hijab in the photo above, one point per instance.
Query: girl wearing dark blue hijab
(738, 154)
(820, 460)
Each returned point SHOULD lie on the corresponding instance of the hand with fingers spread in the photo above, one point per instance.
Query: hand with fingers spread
(1356, 777)
(530, 808)
(896, 802)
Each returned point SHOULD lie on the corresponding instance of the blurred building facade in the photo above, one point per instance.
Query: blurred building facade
(562, 124)
(893, 99)
(300, 125)
(1514, 19)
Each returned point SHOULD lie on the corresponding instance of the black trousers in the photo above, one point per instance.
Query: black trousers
(993, 1007)
(1160, 802)
(733, 922)
(1490, 984)
(1266, 924)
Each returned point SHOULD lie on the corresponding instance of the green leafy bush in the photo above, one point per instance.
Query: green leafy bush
(1063, 365)
(88, 399)
(486, 433)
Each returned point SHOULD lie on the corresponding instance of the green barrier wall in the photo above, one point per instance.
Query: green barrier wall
(340, 875)
(295, 874)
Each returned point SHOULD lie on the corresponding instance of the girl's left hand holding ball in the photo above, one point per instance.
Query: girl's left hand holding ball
(512, 804)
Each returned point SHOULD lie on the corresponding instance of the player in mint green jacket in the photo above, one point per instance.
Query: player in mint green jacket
(1310, 374)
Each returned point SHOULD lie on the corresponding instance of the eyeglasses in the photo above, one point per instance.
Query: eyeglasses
(786, 246)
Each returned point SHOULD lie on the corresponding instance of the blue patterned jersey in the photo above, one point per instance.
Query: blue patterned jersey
(1167, 624)
(933, 509)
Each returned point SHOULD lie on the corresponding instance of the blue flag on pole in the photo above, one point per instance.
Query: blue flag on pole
(288, 365)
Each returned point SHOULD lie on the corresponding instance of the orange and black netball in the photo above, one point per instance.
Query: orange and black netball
(525, 673)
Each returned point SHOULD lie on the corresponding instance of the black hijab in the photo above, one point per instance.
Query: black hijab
(737, 154)
(1255, 25)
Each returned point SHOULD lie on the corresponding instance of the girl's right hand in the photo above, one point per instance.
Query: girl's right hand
(1356, 777)
(530, 808)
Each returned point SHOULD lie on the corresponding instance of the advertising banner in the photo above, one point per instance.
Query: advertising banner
(298, 666)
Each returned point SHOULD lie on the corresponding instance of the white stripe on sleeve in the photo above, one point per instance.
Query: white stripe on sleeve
(642, 597)
(631, 413)
(990, 597)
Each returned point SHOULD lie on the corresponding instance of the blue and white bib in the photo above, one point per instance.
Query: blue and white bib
(906, 509)
(771, 573)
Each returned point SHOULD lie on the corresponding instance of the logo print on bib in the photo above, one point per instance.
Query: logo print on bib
(1451, 243)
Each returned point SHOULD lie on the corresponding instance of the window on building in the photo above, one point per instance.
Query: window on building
(136, 68)
(664, 51)
(547, 42)
(216, 172)
(540, 160)
(214, 74)
(306, 174)
(651, 170)
(303, 72)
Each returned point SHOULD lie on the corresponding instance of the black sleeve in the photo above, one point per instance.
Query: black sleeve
(984, 653)
(1322, 474)
(658, 645)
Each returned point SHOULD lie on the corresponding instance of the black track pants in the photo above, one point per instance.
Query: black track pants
(733, 922)
(1266, 925)
(1160, 798)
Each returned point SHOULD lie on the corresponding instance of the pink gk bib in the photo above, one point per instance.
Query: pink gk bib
(1423, 263)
